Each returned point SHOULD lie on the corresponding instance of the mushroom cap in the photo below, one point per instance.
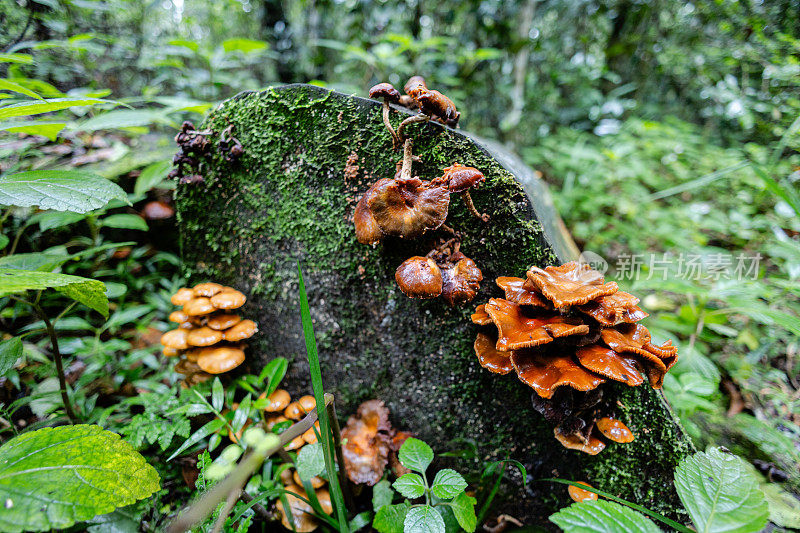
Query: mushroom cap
(408, 101)
(157, 210)
(480, 316)
(204, 336)
(295, 444)
(545, 372)
(198, 306)
(299, 513)
(278, 401)
(593, 446)
(610, 364)
(407, 209)
(614, 309)
(615, 430)
(570, 284)
(385, 91)
(581, 495)
(310, 436)
(436, 104)
(307, 403)
(228, 299)
(273, 421)
(414, 85)
(193, 355)
(419, 277)
(461, 282)
(186, 367)
(635, 338)
(222, 321)
(182, 297)
(459, 178)
(316, 481)
(517, 330)
(176, 339)
(170, 352)
(219, 359)
(178, 316)
(490, 357)
(517, 293)
(207, 289)
(367, 230)
(366, 450)
(293, 411)
(324, 498)
(241, 331)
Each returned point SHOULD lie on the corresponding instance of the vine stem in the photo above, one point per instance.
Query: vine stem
(62, 379)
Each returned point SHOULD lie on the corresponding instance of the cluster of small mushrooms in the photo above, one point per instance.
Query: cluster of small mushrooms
(565, 331)
(208, 339)
(194, 146)
(407, 207)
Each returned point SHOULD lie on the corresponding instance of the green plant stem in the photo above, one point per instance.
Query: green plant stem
(62, 379)
(233, 497)
(490, 498)
(337, 446)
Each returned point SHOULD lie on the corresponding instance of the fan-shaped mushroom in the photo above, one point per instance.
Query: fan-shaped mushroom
(198, 307)
(182, 297)
(593, 446)
(518, 330)
(490, 357)
(570, 284)
(545, 373)
(222, 321)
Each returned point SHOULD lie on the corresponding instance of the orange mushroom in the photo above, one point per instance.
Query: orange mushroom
(459, 179)
(490, 357)
(480, 316)
(570, 284)
(182, 297)
(241, 331)
(177, 339)
(517, 293)
(615, 430)
(278, 401)
(367, 230)
(581, 495)
(219, 359)
(592, 446)
(207, 289)
(222, 321)
(419, 277)
(366, 447)
(614, 309)
(545, 373)
(517, 330)
(610, 364)
(435, 104)
(198, 306)
(407, 208)
(204, 336)
(228, 299)
(299, 515)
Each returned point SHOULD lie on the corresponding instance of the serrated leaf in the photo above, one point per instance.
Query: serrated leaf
(602, 516)
(124, 221)
(415, 455)
(463, 507)
(43, 128)
(390, 518)
(62, 190)
(382, 494)
(310, 461)
(54, 477)
(89, 292)
(423, 519)
(720, 493)
(10, 352)
(448, 484)
(410, 485)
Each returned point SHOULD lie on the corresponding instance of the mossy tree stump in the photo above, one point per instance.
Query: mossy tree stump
(291, 197)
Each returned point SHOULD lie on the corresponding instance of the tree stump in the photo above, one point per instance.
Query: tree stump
(309, 154)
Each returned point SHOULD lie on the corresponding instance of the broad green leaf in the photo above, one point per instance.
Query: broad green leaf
(54, 477)
(10, 351)
(463, 507)
(415, 455)
(124, 221)
(123, 118)
(410, 485)
(43, 128)
(360, 521)
(6, 85)
(191, 45)
(56, 219)
(784, 509)
(241, 414)
(41, 261)
(273, 373)
(448, 484)
(310, 461)
(243, 45)
(424, 519)
(390, 518)
(62, 190)
(602, 516)
(382, 494)
(151, 176)
(38, 107)
(3, 241)
(720, 494)
(89, 292)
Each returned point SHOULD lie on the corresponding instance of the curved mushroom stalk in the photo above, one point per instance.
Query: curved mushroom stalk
(390, 95)
(411, 120)
(471, 207)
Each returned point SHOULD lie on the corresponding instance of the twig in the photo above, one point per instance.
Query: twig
(233, 497)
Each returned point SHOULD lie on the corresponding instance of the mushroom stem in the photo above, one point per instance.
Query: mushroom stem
(411, 120)
(388, 124)
(448, 229)
(471, 207)
(408, 158)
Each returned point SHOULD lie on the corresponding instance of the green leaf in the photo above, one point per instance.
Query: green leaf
(89, 292)
(390, 518)
(62, 190)
(243, 45)
(124, 221)
(43, 128)
(56, 219)
(463, 507)
(41, 261)
(784, 509)
(448, 484)
(360, 521)
(382, 494)
(197, 436)
(6, 85)
(10, 352)
(310, 461)
(273, 372)
(38, 107)
(415, 455)
(123, 118)
(151, 176)
(720, 493)
(602, 517)
(54, 477)
(423, 519)
(410, 485)
(217, 394)
(23, 59)
(3, 241)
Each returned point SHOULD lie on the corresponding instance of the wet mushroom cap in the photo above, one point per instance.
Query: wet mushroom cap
(614, 309)
(517, 293)
(546, 372)
(316, 481)
(182, 297)
(592, 446)
(207, 289)
(517, 329)
(385, 91)
(310, 436)
(170, 352)
(198, 306)
(295, 444)
(278, 401)
(204, 336)
(570, 284)
(459, 178)
(178, 316)
(419, 277)
(222, 321)
(415, 84)
(610, 364)
(436, 104)
(299, 513)
(461, 282)
(186, 367)
(615, 430)
(324, 498)
(307, 403)
(275, 420)
(293, 411)
(407, 209)
(480, 316)
(367, 230)
(220, 359)
(228, 299)
(241, 331)
(581, 495)
(176, 339)
(490, 357)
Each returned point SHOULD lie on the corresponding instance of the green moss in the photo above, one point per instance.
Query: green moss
(288, 199)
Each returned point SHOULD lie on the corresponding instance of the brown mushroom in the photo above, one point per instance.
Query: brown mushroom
(219, 359)
(310, 436)
(570, 284)
(178, 316)
(480, 316)
(241, 331)
(207, 289)
(490, 357)
(222, 321)
(170, 352)
(593, 446)
(615, 430)
(204, 336)
(228, 299)
(293, 411)
(419, 277)
(435, 104)
(614, 309)
(459, 179)
(198, 306)
(389, 95)
(367, 229)
(176, 339)
(274, 421)
(316, 481)
(366, 447)
(518, 330)
(414, 86)
(581, 495)
(610, 364)
(517, 293)
(157, 210)
(461, 281)
(299, 515)
(324, 499)
(182, 297)
(295, 444)
(407, 208)
(407, 101)
(278, 401)
(546, 372)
